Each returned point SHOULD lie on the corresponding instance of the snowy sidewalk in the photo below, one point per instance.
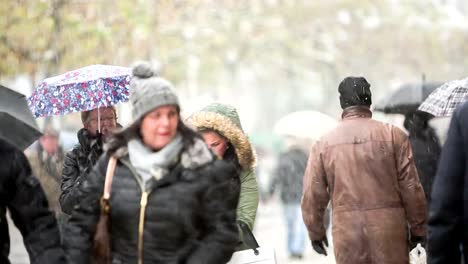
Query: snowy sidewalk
(270, 231)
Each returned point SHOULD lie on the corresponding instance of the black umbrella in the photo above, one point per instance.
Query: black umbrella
(406, 98)
(17, 124)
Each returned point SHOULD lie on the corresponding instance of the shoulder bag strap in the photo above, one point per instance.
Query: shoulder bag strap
(109, 175)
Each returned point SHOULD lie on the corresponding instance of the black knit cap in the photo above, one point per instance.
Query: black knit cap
(354, 91)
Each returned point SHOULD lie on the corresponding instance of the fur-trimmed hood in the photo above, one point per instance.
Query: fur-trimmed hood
(225, 120)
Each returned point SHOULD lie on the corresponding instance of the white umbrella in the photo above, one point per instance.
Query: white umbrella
(305, 124)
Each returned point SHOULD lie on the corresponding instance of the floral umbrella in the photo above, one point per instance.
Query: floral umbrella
(79, 90)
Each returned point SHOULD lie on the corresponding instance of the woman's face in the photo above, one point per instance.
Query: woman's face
(159, 126)
(215, 142)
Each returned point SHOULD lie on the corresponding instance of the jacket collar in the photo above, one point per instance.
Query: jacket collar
(357, 111)
(193, 157)
(174, 175)
(85, 138)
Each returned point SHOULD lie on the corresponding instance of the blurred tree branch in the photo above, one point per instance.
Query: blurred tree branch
(283, 43)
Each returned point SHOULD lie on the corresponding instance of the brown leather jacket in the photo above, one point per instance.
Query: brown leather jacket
(366, 169)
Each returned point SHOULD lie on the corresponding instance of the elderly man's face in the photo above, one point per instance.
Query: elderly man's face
(108, 121)
(50, 143)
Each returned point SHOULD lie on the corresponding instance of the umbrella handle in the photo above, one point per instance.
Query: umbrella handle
(99, 119)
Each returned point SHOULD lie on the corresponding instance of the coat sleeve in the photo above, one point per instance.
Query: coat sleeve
(218, 213)
(81, 227)
(248, 200)
(71, 180)
(30, 213)
(315, 195)
(411, 190)
(446, 212)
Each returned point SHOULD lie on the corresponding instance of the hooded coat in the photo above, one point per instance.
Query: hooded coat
(22, 195)
(366, 169)
(77, 164)
(187, 218)
(225, 120)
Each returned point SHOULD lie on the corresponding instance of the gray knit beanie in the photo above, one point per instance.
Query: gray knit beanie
(148, 91)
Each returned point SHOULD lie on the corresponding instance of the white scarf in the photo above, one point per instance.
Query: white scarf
(154, 164)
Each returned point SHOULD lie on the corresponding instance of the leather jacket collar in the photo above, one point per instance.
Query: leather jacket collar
(356, 112)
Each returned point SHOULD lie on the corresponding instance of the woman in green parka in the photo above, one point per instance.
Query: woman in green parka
(220, 127)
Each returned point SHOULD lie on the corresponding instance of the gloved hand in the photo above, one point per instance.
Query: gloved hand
(99, 139)
(96, 147)
(94, 152)
(415, 240)
(318, 245)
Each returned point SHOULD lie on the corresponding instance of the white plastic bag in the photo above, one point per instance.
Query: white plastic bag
(263, 256)
(418, 255)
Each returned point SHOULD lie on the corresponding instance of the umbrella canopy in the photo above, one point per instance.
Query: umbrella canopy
(305, 124)
(80, 90)
(445, 99)
(406, 98)
(17, 125)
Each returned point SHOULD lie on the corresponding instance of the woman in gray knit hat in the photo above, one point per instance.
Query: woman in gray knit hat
(167, 199)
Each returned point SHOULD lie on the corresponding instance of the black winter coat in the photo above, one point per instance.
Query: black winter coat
(289, 175)
(189, 217)
(426, 152)
(448, 215)
(22, 195)
(77, 165)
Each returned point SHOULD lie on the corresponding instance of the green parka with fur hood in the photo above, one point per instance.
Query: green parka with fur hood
(225, 120)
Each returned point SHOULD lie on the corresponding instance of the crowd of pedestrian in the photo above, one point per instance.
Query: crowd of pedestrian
(167, 190)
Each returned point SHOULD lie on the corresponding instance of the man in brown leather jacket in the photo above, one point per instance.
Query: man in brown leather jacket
(366, 169)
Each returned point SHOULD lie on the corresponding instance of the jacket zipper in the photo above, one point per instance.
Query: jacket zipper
(143, 203)
(141, 225)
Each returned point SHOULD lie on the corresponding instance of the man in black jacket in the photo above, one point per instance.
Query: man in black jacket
(426, 148)
(22, 195)
(448, 217)
(80, 160)
(288, 176)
